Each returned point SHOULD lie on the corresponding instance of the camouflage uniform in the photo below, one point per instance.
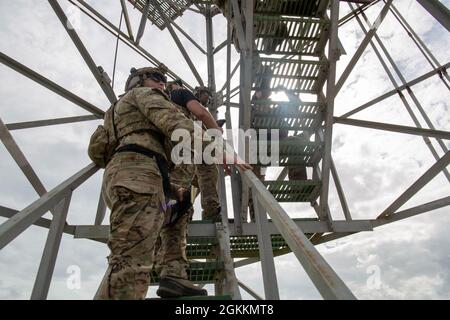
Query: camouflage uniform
(203, 176)
(171, 259)
(133, 190)
(207, 176)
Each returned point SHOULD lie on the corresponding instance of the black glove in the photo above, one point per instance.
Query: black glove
(221, 122)
(177, 208)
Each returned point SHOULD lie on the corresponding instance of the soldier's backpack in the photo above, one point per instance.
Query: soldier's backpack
(104, 142)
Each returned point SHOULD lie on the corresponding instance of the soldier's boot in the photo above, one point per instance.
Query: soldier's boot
(174, 287)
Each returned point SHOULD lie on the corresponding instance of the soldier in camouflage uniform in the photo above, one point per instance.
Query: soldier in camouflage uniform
(207, 175)
(133, 190)
(204, 176)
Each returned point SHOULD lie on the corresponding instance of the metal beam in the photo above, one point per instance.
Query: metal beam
(333, 56)
(308, 226)
(221, 46)
(393, 128)
(327, 282)
(397, 90)
(127, 18)
(14, 226)
(399, 215)
(227, 82)
(178, 42)
(245, 94)
(420, 44)
(143, 22)
(234, 179)
(282, 174)
(223, 237)
(363, 46)
(106, 87)
(101, 210)
(48, 260)
(340, 192)
(265, 252)
(111, 28)
(187, 36)
(417, 185)
(183, 7)
(249, 291)
(402, 97)
(240, 32)
(21, 160)
(41, 222)
(410, 92)
(49, 122)
(27, 72)
(438, 10)
(355, 12)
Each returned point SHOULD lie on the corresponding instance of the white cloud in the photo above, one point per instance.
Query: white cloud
(374, 167)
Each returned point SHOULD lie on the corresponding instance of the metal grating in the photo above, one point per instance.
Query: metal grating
(241, 246)
(200, 247)
(171, 10)
(293, 152)
(267, 114)
(198, 272)
(284, 35)
(297, 76)
(294, 191)
(248, 247)
(299, 8)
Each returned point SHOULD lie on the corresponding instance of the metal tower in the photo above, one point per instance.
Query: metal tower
(288, 44)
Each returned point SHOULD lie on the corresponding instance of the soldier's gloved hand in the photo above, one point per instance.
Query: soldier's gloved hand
(179, 193)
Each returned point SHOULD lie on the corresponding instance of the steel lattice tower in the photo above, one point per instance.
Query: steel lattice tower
(295, 44)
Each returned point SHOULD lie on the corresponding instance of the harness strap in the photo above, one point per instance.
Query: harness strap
(160, 161)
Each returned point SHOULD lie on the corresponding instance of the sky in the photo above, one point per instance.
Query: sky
(409, 259)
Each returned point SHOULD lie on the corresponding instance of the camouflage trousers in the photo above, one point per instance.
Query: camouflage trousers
(204, 177)
(138, 241)
(170, 249)
(135, 223)
(207, 176)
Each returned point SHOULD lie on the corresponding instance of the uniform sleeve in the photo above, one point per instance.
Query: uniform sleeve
(161, 112)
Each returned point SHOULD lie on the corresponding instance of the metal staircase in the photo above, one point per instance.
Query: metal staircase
(288, 53)
(282, 46)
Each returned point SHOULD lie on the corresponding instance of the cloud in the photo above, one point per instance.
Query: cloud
(405, 260)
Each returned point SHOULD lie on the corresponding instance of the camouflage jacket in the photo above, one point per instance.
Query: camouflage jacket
(145, 117)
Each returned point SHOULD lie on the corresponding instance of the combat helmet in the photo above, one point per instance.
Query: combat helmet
(199, 89)
(137, 76)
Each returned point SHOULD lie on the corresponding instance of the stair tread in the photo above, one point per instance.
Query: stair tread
(289, 7)
(292, 152)
(289, 35)
(294, 191)
(297, 76)
(241, 246)
(198, 272)
(171, 11)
